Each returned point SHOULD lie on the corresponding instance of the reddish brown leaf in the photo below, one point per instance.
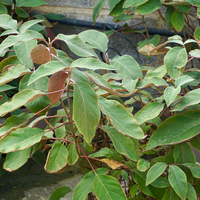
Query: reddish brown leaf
(1, 97)
(41, 54)
(56, 83)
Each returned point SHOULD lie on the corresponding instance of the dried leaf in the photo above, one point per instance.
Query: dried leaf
(112, 163)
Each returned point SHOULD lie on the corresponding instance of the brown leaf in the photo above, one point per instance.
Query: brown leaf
(41, 54)
(1, 97)
(112, 163)
(56, 83)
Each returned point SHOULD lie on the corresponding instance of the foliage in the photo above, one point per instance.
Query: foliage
(128, 142)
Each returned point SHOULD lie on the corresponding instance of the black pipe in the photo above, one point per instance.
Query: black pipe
(98, 25)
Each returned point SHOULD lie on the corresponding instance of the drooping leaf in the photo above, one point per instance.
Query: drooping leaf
(84, 187)
(178, 181)
(150, 111)
(149, 7)
(47, 69)
(195, 142)
(6, 87)
(14, 122)
(143, 165)
(60, 192)
(20, 139)
(91, 63)
(177, 20)
(25, 26)
(147, 82)
(12, 73)
(124, 145)
(7, 22)
(23, 49)
(170, 194)
(21, 13)
(168, 15)
(55, 16)
(86, 113)
(127, 66)
(77, 46)
(191, 98)
(72, 154)
(175, 59)
(95, 39)
(194, 169)
(180, 132)
(56, 83)
(8, 32)
(170, 94)
(183, 154)
(191, 193)
(112, 163)
(97, 8)
(105, 187)
(123, 122)
(30, 3)
(57, 158)
(155, 171)
(19, 100)
(15, 160)
(41, 54)
(183, 80)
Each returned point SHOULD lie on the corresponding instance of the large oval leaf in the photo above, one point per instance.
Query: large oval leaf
(176, 129)
(19, 100)
(86, 112)
(57, 158)
(121, 118)
(20, 139)
(107, 187)
(7, 22)
(124, 145)
(178, 181)
(95, 39)
(177, 20)
(77, 46)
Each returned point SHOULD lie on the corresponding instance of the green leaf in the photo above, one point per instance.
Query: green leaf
(191, 98)
(129, 84)
(57, 158)
(154, 40)
(23, 50)
(127, 66)
(168, 15)
(19, 100)
(55, 16)
(183, 154)
(40, 84)
(121, 118)
(170, 94)
(112, 4)
(13, 73)
(12, 60)
(29, 3)
(195, 53)
(76, 45)
(175, 59)
(183, 8)
(170, 194)
(107, 187)
(47, 69)
(91, 63)
(149, 7)
(158, 72)
(72, 154)
(147, 82)
(198, 11)
(194, 169)
(25, 26)
(183, 80)
(15, 160)
(185, 126)
(14, 122)
(155, 171)
(84, 187)
(191, 193)
(86, 113)
(124, 145)
(131, 3)
(134, 190)
(143, 165)
(60, 192)
(9, 32)
(95, 39)
(97, 8)
(7, 2)
(178, 181)
(118, 10)
(6, 22)
(160, 182)
(20, 139)
(150, 111)
(177, 20)
(6, 87)
(195, 142)
(3, 9)
(21, 13)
